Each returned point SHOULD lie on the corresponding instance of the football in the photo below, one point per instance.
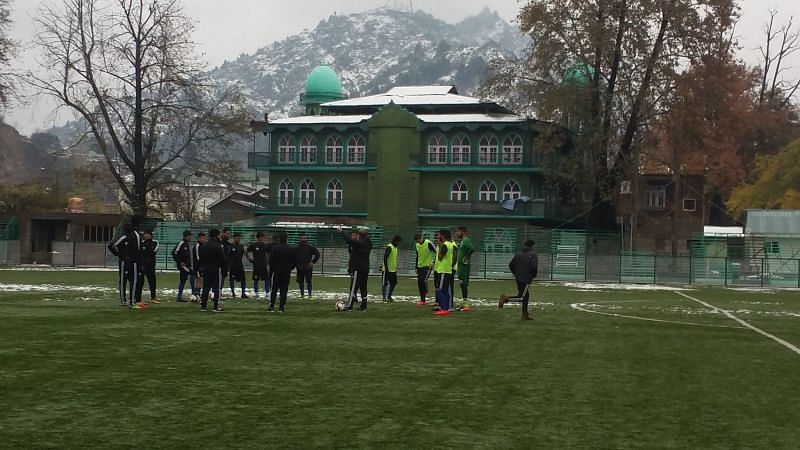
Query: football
(195, 298)
(340, 306)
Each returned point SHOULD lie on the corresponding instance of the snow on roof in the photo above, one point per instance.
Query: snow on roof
(773, 222)
(422, 90)
(313, 120)
(470, 118)
(709, 230)
(407, 99)
(246, 204)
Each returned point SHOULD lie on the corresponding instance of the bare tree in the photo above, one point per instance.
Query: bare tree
(781, 42)
(7, 79)
(128, 70)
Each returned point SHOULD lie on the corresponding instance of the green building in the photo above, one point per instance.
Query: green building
(418, 157)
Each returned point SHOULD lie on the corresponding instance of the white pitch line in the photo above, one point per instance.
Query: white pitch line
(577, 306)
(788, 345)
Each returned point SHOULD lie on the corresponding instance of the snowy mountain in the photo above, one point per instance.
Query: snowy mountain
(371, 52)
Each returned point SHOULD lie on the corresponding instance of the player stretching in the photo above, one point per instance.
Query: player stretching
(524, 266)
(182, 255)
(425, 254)
(389, 269)
(126, 248)
(465, 250)
(235, 265)
(306, 255)
(147, 258)
(257, 255)
(212, 260)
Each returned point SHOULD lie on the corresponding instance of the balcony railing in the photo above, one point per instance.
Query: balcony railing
(534, 209)
(263, 160)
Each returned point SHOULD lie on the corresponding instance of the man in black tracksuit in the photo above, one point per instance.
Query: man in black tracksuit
(258, 254)
(359, 257)
(525, 267)
(182, 255)
(126, 248)
(197, 275)
(306, 255)
(281, 263)
(235, 265)
(212, 260)
(147, 259)
(226, 247)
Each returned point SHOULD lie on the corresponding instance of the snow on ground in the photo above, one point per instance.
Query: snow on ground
(592, 287)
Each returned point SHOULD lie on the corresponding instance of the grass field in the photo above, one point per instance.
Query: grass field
(76, 370)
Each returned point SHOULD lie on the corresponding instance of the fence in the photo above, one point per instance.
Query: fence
(564, 264)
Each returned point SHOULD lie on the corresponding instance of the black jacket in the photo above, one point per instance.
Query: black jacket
(281, 258)
(361, 249)
(235, 255)
(260, 252)
(525, 265)
(147, 254)
(212, 256)
(127, 246)
(196, 255)
(182, 254)
(305, 254)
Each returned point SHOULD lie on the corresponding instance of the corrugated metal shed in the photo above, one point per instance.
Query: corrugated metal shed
(773, 222)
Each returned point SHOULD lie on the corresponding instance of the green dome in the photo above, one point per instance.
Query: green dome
(580, 75)
(322, 85)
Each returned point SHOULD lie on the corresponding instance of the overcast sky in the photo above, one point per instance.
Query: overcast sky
(228, 28)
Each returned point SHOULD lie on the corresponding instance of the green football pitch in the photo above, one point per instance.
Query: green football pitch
(597, 367)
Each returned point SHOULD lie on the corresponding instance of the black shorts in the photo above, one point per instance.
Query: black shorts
(260, 274)
(389, 278)
(237, 274)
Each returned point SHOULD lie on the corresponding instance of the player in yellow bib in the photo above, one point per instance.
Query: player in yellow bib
(389, 269)
(443, 272)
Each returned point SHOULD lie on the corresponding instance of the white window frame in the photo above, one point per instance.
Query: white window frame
(334, 194)
(356, 150)
(334, 150)
(308, 150)
(509, 191)
(459, 191)
(512, 150)
(693, 203)
(437, 149)
(287, 150)
(487, 150)
(655, 199)
(308, 193)
(487, 191)
(286, 193)
(460, 150)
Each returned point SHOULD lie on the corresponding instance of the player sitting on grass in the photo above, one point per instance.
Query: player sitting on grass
(524, 266)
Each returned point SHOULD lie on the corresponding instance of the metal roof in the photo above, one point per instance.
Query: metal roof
(773, 222)
(407, 99)
(470, 118)
(315, 120)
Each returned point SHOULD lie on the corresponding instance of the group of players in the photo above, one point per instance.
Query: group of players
(207, 262)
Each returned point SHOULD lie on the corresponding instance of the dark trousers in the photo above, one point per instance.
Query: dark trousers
(358, 284)
(212, 281)
(184, 275)
(388, 279)
(523, 295)
(149, 274)
(423, 273)
(444, 289)
(304, 280)
(280, 286)
(237, 274)
(128, 278)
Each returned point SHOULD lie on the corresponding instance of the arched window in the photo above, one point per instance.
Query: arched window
(488, 192)
(356, 150)
(307, 193)
(437, 150)
(487, 150)
(459, 192)
(461, 149)
(286, 193)
(286, 150)
(334, 151)
(334, 194)
(511, 190)
(512, 150)
(308, 150)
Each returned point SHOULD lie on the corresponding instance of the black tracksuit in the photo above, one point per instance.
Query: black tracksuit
(306, 255)
(212, 260)
(147, 258)
(126, 248)
(236, 267)
(226, 247)
(182, 255)
(525, 267)
(359, 259)
(281, 263)
(196, 266)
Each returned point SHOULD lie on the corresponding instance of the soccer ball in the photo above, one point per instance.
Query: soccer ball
(195, 298)
(340, 306)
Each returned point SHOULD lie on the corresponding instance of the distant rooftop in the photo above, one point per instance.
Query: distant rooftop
(417, 99)
(425, 118)
(773, 222)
